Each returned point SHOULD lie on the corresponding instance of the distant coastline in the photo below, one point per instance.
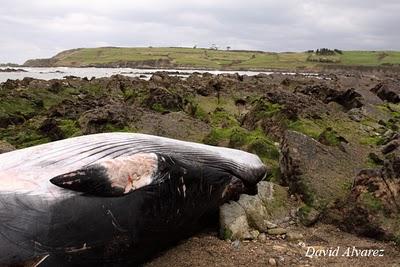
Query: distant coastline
(212, 59)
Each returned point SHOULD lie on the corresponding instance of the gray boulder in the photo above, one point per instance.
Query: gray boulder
(233, 222)
(267, 210)
(318, 173)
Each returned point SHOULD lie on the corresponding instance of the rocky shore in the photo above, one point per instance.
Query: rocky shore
(331, 142)
(12, 70)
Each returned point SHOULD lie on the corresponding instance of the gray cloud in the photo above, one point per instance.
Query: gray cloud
(41, 28)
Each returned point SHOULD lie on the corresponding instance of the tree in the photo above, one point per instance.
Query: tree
(228, 48)
(338, 51)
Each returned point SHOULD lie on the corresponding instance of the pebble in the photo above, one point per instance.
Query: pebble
(277, 231)
(254, 234)
(302, 244)
(293, 236)
(310, 217)
(272, 261)
(262, 237)
(271, 225)
(236, 244)
(279, 248)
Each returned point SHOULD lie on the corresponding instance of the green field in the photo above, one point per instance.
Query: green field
(216, 59)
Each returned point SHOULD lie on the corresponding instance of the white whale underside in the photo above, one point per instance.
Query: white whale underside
(29, 170)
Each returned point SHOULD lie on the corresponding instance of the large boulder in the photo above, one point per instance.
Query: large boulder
(106, 118)
(49, 127)
(268, 209)
(233, 222)
(373, 207)
(318, 173)
(117, 84)
(162, 100)
(388, 90)
(9, 84)
(347, 98)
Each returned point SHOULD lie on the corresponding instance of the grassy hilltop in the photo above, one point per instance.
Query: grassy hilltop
(214, 59)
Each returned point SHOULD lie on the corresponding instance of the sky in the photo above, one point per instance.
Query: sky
(42, 28)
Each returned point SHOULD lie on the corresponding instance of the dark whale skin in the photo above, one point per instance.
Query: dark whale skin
(86, 230)
(59, 207)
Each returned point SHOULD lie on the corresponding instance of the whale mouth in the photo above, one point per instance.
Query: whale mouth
(238, 186)
(256, 175)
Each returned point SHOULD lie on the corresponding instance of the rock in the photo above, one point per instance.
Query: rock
(236, 244)
(233, 222)
(56, 86)
(265, 191)
(373, 207)
(276, 202)
(116, 84)
(50, 128)
(25, 81)
(268, 208)
(165, 125)
(277, 231)
(391, 169)
(263, 212)
(389, 134)
(290, 105)
(5, 147)
(262, 237)
(10, 84)
(271, 225)
(160, 99)
(388, 90)
(280, 248)
(366, 128)
(355, 114)
(391, 146)
(308, 215)
(293, 236)
(293, 104)
(349, 99)
(254, 234)
(163, 78)
(97, 120)
(315, 171)
(255, 210)
(375, 158)
(272, 262)
(330, 137)
(12, 70)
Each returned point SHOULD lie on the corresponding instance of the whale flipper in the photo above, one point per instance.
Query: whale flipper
(112, 177)
(121, 176)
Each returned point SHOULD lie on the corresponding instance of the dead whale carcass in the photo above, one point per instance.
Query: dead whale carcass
(112, 197)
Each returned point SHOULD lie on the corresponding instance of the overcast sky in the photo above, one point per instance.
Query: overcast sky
(41, 28)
